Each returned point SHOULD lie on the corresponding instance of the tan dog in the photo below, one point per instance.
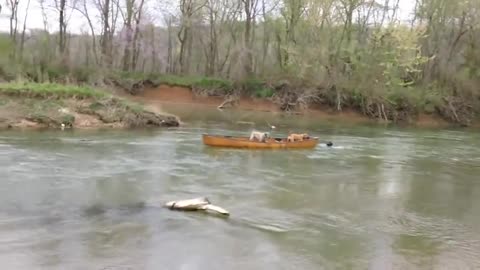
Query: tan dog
(297, 137)
(259, 136)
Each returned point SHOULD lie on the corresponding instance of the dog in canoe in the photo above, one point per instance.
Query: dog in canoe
(259, 136)
(297, 137)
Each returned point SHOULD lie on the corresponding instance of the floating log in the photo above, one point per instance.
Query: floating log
(214, 208)
(196, 204)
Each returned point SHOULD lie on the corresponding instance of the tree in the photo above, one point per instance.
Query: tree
(250, 9)
(83, 9)
(62, 25)
(13, 5)
(185, 36)
(22, 40)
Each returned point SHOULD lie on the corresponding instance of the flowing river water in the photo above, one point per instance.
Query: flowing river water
(381, 198)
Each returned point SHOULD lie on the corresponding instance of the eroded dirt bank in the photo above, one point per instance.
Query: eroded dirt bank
(165, 94)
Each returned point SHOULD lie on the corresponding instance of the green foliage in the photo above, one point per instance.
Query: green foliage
(213, 83)
(68, 119)
(56, 72)
(7, 72)
(256, 87)
(44, 90)
(7, 68)
(132, 106)
(105, 102)
(127, 75)
(174, 80)
(264, 92)
(84, 74)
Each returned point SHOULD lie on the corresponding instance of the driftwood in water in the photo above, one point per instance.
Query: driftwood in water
(231, 100)
(195, 205)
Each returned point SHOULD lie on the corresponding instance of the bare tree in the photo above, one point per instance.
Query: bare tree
(185, 36)
(13, 5)
(83, 9)
(60, 5)
(136, 35)
(109, 11)
(250, 9)
(217, 15)
(22, 40)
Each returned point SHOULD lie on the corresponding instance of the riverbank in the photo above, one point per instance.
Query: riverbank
(32, 105)
(124, 102)
(169, 95)
(415, 106)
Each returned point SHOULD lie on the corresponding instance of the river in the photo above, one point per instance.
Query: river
(380, 198)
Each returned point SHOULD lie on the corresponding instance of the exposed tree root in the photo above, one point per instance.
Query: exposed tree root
(457, 110)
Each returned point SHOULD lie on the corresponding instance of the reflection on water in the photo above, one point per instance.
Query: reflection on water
(379, 199)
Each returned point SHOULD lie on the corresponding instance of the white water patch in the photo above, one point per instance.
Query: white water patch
(271, 227)
(339, 147)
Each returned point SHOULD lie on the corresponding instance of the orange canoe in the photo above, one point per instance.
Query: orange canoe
(244, 142)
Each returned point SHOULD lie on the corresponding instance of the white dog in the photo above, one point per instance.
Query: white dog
(259, 136)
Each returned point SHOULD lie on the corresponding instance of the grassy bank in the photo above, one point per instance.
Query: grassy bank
(55, 105)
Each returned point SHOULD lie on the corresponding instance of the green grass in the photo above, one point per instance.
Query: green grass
(134, 107)
(256, 87)
(213, 83)
(44, 90)
(155, 78)
(173, 80)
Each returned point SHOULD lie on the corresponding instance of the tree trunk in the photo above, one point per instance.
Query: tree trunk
(170, 58)
(248, 62)
(153, 50)
(136, 36)
(183, 38)
(105, 38)
(212, 54)
(266, 36)
(22, 41)
(62, 28)
(185, 35)
(14, 19)
(129, 35)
